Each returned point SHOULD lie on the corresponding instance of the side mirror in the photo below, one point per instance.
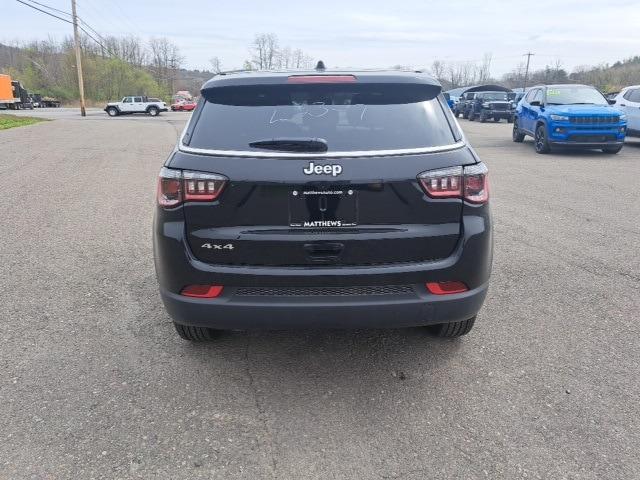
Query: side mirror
(612, 101)
(535, 103)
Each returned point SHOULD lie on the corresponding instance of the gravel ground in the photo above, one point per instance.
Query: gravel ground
(96, 384)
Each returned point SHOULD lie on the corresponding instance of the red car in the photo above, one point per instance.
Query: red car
(183, 105)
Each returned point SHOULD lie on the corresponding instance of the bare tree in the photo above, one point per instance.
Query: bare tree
(285, 58)
(484, 72)
(216, 65)
(438, 69)
(165, 61)
(264, 51)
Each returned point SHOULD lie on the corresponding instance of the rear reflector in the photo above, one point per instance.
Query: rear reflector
(322, 79)
(446, 288)
(202, 291)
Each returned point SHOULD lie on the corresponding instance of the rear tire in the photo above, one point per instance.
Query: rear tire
(194, 334)
(453, 329)
(465, 115)
(471, 116)
(612, 150)
(153, 111)
(112, 111)
(483, 118)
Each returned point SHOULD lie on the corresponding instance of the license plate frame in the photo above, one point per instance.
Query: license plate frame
(323, 208)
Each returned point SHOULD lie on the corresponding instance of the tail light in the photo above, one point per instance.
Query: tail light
(178, 186)
(470, 183)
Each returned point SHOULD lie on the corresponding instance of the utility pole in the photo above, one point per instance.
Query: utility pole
(76, 38)
(526, 72)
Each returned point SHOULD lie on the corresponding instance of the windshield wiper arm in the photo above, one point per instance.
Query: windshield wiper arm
(293, 144)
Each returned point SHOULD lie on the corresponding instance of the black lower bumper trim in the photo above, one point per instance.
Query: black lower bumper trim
(230, 311)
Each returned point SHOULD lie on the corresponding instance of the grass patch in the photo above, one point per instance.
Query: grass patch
(10, 121)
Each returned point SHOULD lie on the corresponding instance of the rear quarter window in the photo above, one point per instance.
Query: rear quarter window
(348, 117)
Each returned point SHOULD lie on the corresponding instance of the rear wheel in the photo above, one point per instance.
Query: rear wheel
(510, 119)
(540, 140)
(612, 150)
(153, 111)
(194, 334)
(496, 119)
(453, 329)
(516, 134)
(471, 116)
(465, 114)
(112, 111)
(483, 118)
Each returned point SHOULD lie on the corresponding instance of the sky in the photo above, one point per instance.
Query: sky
(356, 33)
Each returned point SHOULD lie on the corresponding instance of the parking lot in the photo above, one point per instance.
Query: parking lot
(96, 384)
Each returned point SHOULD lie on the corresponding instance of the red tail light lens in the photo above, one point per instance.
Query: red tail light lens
(169, 187)
(203, 187)
(443, 183)
(202, 291)
(476, 183)
(177, 186)
(470, 183)
(446, 288)
(321, 79)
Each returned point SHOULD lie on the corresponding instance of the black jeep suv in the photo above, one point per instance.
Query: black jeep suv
(322, 199)
(491, 105)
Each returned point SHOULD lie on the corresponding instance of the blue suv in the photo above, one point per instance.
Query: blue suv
(569, 115)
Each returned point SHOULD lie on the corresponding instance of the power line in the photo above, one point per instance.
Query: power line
(44, 11)
(71, 22)
(50, 8)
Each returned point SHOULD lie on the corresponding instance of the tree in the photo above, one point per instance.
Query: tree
(165, 60)
(264, 51)
(216, 65)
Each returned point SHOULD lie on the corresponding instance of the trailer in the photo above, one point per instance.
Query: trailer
(13, 95)
(7, 100)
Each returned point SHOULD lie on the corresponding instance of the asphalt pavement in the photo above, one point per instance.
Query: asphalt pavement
(96, 384)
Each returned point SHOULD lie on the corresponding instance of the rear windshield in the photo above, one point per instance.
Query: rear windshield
(354, 117)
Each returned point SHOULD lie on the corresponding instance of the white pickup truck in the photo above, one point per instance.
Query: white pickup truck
(136, 104)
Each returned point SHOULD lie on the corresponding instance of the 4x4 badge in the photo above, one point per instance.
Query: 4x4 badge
(313, 169)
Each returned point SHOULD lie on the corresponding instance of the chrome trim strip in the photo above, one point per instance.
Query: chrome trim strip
(353, 154)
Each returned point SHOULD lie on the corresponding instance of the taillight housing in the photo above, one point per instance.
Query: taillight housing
(178, 186)
(469, 183)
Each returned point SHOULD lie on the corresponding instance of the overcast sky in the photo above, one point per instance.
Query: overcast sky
(361, 33)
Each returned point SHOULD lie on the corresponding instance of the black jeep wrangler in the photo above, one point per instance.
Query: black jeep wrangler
(464, 104)
(486, 105)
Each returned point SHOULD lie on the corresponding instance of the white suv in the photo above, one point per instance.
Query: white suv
(628, 101)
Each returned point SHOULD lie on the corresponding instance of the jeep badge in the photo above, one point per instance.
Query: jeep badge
(313, 169)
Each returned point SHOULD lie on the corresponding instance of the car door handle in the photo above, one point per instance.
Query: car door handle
(623, 104)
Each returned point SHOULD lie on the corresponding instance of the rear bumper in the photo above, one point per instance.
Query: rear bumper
(470, 262)
(231, 311)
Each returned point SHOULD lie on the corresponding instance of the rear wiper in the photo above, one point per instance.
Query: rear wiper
(581, 103)
(294, 144)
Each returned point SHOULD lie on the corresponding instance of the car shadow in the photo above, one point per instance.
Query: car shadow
(349, 361)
